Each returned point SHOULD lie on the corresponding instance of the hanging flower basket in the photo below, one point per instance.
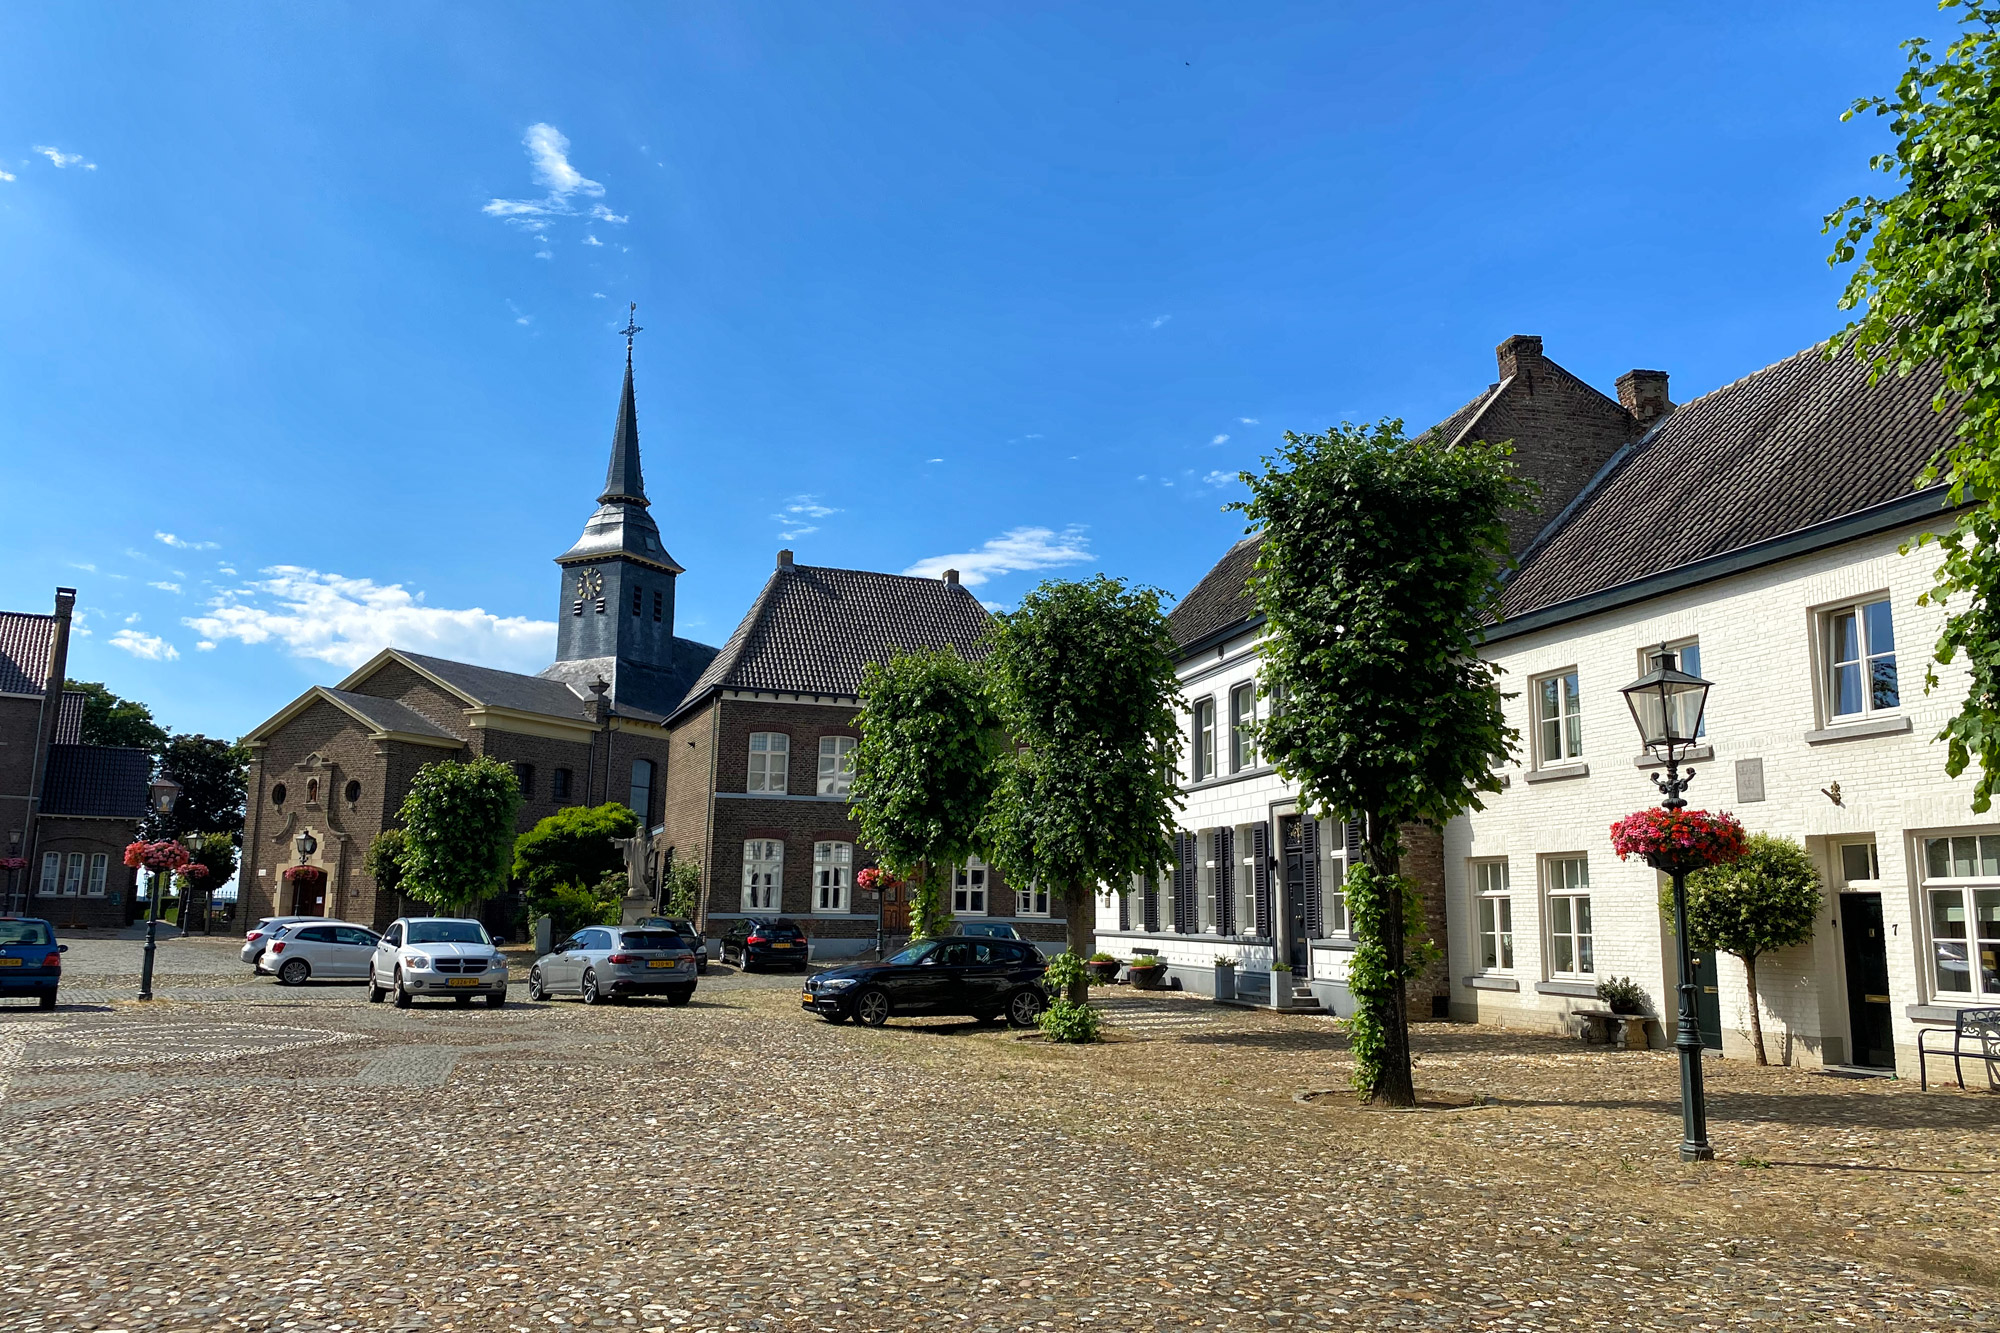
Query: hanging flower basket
(1678, 841)
(308, 878)
(874, 879)
(13, 863)
(192, 871)
(166, 854)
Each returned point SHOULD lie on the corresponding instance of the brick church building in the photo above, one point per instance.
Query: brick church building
(734, 758)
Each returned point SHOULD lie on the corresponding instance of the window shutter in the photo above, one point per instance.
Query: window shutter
(1185, 920)
(1309, 840)
(1150, 904)
(1225, 881)
(1260, 852)
(1125, 904)
(1353, 840)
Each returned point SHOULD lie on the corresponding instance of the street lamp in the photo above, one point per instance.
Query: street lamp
(1667, 704)
(163, 791)
(305, 844)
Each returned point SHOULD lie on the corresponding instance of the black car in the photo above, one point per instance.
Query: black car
(765, 941)
(981, 978)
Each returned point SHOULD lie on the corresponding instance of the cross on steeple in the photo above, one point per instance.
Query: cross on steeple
(630, 330)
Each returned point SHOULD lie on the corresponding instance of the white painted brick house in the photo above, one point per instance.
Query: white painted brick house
(1761, 526)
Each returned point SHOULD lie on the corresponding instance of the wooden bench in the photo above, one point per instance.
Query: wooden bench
(1976, 1032)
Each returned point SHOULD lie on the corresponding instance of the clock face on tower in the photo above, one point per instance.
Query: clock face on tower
(589, 583)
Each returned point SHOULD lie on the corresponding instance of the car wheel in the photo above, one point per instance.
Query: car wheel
(536, 990)
(680, 996)
(1024, 1008)
(403, 996)
(48, 999)
(588, 990)
(375, 992)
(295, 971)
(497, 1000)
(871, 1009)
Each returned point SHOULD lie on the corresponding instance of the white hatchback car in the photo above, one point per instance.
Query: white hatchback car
(322, 950)
(437, 955)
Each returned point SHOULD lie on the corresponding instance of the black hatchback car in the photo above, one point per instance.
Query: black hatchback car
(986, 979)
(765, 941)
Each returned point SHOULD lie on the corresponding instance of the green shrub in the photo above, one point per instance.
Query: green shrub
(571, 907)
(1066, 1020)
(1064, 971)
(1102, 957)
(1625, 996)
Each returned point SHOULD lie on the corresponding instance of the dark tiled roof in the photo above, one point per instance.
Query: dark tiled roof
(502, 689)
(69, 718)
(1798, 443)
(106, 780)
(26, 641)
(388, 714)
(812, 630)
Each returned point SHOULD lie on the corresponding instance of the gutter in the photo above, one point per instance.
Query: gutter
(1868, 522)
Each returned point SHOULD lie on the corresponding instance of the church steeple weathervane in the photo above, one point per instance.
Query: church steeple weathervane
(623, 483)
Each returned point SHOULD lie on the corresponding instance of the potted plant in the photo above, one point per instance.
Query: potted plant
(1225, 978)
(1281, 984)
(1147, 972)
(1103, 967)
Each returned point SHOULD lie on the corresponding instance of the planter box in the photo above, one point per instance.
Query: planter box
(1147, 978)
(1281, 989)
(1225, 980)
(1106, 973)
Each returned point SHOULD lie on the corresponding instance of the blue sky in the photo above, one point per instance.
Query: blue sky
(307, 338)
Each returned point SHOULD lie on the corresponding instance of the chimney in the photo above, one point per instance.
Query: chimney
(1520, 356)
(1643, 393)
(951, 577)
(784, 560)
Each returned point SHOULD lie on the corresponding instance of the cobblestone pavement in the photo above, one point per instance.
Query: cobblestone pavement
(243, 1155)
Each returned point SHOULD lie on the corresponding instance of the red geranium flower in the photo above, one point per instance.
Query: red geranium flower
(1678, 840)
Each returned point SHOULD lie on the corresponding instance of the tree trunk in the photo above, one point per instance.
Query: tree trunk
(1080, 907)
(1756, 1019)
(1397, 1084)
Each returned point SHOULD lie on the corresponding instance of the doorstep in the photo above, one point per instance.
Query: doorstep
(1856, 1071)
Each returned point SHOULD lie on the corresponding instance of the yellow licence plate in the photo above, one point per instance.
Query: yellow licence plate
(805, 997)
(462, 981)
(780, 944)
(10, 962)
(659, 962)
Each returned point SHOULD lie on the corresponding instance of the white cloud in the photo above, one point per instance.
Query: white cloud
(934, 460)
(132, 619)
(597, 296)
(181, 543)
(165, 587)
(61, 159)
(1219, 478)
(1018, 549)
(524, 319)
(332, 618)
(225, 569)
(549, 166)
(205, 646)
(797, 516)
(8, 176)
(86, 568)
(1159, 320)
(1248, 421)
(591, 240)
(149, 646)
(603, 214)
(1220, 439)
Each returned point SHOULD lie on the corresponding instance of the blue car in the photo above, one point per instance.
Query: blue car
(30, 959)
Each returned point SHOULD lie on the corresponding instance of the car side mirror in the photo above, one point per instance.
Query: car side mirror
(62, 948)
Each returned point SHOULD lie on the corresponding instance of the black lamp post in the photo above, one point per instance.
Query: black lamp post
(163, 791)
(1668, 703)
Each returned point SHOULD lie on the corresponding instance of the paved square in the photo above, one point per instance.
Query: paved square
(241, 1155)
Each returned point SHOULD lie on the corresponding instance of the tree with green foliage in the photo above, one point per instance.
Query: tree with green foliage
(1925, 287)
(1378, 569)
(214, 777)
(1767, 900)
(384, 862)
(458, 832)
(566, 859)
(110, 720)
(216, 854)
(1082, 677)
(923, 772)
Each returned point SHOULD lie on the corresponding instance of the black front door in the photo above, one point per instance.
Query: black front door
(1291, 838)
(1707, 1000)
(1867, 955)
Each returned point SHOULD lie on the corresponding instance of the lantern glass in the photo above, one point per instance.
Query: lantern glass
(1667, 703)
(163, 791)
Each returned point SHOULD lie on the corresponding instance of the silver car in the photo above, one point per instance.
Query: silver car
(601, 963)
(258, 937)
(684, 928)
(319, 950)
(437, 955)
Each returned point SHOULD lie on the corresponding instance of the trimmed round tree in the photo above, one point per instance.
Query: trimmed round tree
(923, 772)
(458, 832)
(1083, 677)
(1765, 900)
(569, 856)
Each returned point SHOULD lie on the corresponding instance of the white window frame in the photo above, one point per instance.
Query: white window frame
(763, 875)
(1493, 915)
(1867, 847)
(1568, 718)
(1971, 883)
(1566, 902)
(1242, 744)
(1867, 654)
(1246, 881)
(51, 884)
(73, 875)
(836, 765)
(770, 762)
(833, 878)
(1204, 739)
(100, 870)
(970, 888)
(1031, 901)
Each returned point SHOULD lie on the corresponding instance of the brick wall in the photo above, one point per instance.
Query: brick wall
(1562, 430)
(66, 834)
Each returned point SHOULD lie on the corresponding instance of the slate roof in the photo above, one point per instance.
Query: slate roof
(26, 640)
(813, 629)
(503, 689)
(69, 718)
(388, 714)
(101, 780)
(1797, 444)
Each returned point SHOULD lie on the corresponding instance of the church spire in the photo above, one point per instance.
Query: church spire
(623, 483)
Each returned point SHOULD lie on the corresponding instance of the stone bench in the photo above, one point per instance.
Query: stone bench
(1597, 1025)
